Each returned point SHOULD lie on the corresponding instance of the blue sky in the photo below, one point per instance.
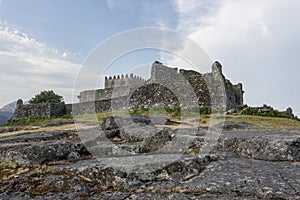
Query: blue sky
(44, 43)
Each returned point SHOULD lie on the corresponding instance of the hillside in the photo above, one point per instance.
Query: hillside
(3, 119)
(6, 112)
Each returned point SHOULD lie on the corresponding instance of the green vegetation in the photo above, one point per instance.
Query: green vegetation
(205, 117)
(34, 121)
(99, 116)
(46, 97)
(172, 112)
(273, 113)
(142, 111)
(265, 120)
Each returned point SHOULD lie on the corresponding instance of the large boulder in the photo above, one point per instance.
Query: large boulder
(43, 152)
(156, 142)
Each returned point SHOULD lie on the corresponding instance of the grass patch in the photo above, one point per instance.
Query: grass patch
(203, 116)
(172, 112)
(34, 121)
(99, 116)
(265, 121)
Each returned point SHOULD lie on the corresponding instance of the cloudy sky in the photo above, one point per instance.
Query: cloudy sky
(44, 43)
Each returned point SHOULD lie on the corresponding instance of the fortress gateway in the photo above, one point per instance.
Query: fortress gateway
(167, 86)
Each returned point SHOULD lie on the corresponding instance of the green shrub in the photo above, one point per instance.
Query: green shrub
(205, 111)
(244, 106)
(141, 111)
(46, 97)
(273, 113)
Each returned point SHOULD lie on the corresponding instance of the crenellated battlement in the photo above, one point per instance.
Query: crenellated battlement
(123, 81)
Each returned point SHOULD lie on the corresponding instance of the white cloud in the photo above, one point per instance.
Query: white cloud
(122, 7)
(256, 41)
(222, 24)
(65, 54)
(265, 32)
(191, 14)
(157, 14)
(111, 4)
(29, 66)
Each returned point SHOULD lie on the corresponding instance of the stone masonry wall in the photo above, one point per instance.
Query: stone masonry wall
(99, 106)
(166, 86)
(121, 81)
(211, 89)
(104, 94)
(38, 110)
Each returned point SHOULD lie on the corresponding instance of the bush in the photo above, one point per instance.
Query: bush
(141, 111)
(46, 97)
(205, 111)
(272, 113)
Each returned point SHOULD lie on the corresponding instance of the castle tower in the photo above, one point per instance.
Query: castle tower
(239, 94)
(105, 82)
(162, 74)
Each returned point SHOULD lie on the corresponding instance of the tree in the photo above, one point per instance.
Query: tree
(46, 97)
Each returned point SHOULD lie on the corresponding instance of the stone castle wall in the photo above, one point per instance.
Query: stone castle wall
(122, 81)
(211, 89)
(160, 73)
(38, 110)
(104, 94)
(167, 86)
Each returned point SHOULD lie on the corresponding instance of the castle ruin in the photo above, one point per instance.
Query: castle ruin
(137, 91)
(166, 86)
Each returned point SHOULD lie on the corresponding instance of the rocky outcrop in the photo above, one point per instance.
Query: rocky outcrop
(248, 162)
(263, 145)
(41, 147)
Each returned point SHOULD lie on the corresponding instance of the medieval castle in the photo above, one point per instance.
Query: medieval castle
(167, 86)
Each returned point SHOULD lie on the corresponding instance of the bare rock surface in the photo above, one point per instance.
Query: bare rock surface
(247, 162)
(35, 137)
(273, 145)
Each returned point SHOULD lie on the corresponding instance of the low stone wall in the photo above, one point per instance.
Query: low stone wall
(38, 110)
(68, 109)
(98, 106)
(90, 107)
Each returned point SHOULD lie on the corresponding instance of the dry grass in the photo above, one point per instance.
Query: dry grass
(34, 129)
